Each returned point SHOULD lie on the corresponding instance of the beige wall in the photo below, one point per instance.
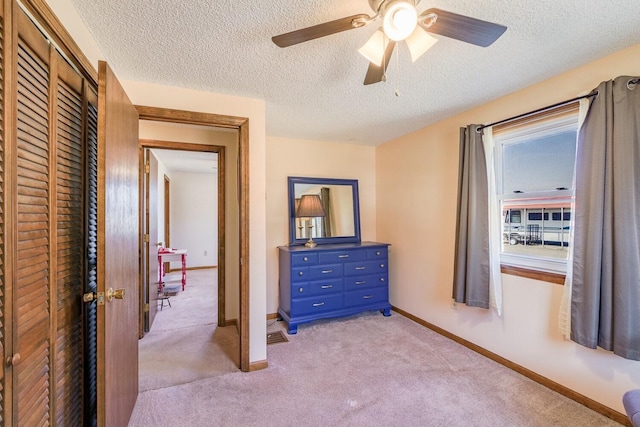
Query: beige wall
(416, 209)
(290, 157)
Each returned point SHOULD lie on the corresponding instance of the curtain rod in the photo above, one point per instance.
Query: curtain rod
(539, 110)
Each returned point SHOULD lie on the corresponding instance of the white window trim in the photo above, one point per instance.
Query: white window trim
(550, 265)
(543, 264)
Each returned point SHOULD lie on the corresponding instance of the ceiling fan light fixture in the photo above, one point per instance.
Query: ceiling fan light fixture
(400, 19)
(419, 42)
(374, 48)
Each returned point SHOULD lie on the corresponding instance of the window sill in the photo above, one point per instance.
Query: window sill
(544, 276)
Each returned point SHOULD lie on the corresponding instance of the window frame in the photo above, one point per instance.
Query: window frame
(563, 119)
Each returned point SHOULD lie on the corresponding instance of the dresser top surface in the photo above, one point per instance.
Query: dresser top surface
(335, 247)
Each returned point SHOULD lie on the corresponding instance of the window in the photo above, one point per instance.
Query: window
(513, 216)
(534, 167)
(566, 216)
(537, 216)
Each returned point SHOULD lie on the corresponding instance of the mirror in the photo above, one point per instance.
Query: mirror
(339, 203)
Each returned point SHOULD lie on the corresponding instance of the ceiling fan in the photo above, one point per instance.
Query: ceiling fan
(400, 21)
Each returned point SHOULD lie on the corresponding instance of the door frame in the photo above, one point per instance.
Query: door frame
(147, 305)
(167, 216)
(150, 144)
(241, 124)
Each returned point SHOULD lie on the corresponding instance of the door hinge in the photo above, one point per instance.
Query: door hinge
(147, 168)
(146, 238)
(146, 307)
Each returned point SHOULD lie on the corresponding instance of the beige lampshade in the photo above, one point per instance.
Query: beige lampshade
(419, 42)
(310, 206)
(374, 48)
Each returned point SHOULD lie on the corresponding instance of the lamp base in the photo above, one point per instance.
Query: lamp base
(311, 244)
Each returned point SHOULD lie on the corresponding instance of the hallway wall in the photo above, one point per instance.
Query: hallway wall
(194, 217)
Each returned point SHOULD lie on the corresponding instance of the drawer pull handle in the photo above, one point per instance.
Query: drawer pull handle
(327, 271)
(361, 282)
(381, 265)
(343, 256)
(382, 279)
(360, 268)
(367, 297)
(300, 289)
(378, 253)
(300, 273)
(318, 304)
(326, 286)
(305, 259)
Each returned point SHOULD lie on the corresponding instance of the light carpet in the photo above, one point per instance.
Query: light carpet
(184, 343)
(365, 370)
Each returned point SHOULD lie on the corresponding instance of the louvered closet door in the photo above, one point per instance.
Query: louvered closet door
(31, 383)
(49, 276)
(69, 245)
(91, 274)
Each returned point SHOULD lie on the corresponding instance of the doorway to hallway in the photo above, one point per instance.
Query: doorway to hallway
(237, 229)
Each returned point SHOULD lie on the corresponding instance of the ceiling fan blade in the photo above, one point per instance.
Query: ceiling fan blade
(464, 28)
(375, 74)
(321, 30)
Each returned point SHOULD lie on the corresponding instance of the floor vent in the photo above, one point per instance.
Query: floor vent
(276, 337)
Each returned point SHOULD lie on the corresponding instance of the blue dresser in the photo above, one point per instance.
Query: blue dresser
(332, 281)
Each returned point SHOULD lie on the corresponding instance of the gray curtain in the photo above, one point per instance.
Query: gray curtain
(471, 269)
(327, 220)
(605, 300)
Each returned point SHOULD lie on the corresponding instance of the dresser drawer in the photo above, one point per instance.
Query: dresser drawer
(316, 288)
(341, 256)
(379, 253)
(304, 259)
(299, 274)
(365, 267)
(362, 282)
(321, 272)
(320, 304)
(366, 296)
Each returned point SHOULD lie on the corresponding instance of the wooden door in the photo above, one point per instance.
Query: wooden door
(152, 245)
(117, 341)
(33, 296)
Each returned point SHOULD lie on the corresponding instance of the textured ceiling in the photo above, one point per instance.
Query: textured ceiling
(314, 90)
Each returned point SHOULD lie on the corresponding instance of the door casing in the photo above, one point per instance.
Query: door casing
(241, 124)
(145, 145)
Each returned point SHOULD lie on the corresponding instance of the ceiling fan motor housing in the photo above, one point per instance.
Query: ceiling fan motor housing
(376, 5)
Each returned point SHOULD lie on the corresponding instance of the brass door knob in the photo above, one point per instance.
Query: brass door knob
(117, 294)
(14, 360)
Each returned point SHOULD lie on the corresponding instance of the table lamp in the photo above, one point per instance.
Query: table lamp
(310, 207)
